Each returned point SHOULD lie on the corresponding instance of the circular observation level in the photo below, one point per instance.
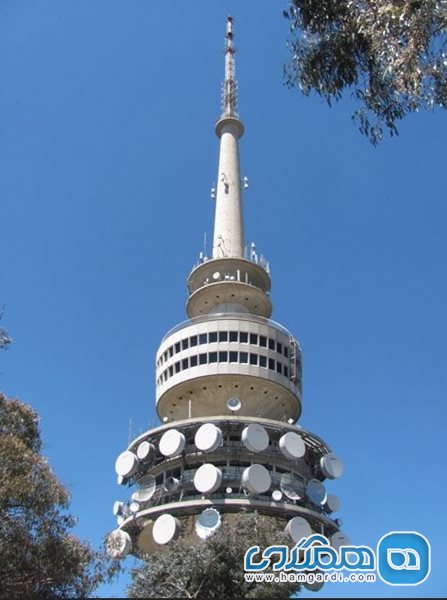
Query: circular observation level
(203, 362)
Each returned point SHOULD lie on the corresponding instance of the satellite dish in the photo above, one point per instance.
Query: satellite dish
(256, 479)
(255, 438)
(315, 586)
(121, 480)
(229, 490)
(216, 275)
(207, 522)
(291, 487)
(126, 464)
(339, 523)
(207, 478)
(332, 503)
(171, 484)
(147, 488)
(120, 520)
(234, 404)
(118, 543)
(172, 443)
(276, 496)
(292, 445)
(134, 507)
(208, 437)
(146, 451)
(298, 528)
(118, 508)
(331, 466)
(316, 492)
(165, 529)
(339, 539)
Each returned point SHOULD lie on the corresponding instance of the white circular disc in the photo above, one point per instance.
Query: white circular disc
(331, 466)
(126, 464)
(134, 507)
(276, 496)
(147, 488)
(339, 539)
(292, 445)
(118, 543)
(165, 529)
(207, 522)
(298, 528)
(255, 438)
(121, 480)
(117, 508)
(172, 443)
(316, 492)
(339, 523)
(207, 478)
(333, 503)
(120, 520)
(234, 404)
(256, 479)
(229, 490)
(291, 486)
(208, 437)
(315, 586)
(145, 450)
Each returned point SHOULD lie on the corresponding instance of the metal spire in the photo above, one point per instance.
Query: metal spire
(229, 86)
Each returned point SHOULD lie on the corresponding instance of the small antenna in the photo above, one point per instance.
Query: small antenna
(229, 86)
(130, 431)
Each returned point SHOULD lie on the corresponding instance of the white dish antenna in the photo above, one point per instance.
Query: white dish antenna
(255, 438)
(331, 466)
(118, 508)
(276, 496)
(234, 404)
(118, 543)
(172, 443)
(256, 479)
(208, 437)
(126, 464)
(165, 529)
(171, 484)
(120, 520)
(292, 445)
(291, 486)
(207, 522)
(298, 528)
(216, 276)
(207, 478)
(339, 523)
(121, 480)
(146, 490)
(340, 539)
(316, 492)
(332, 503)
(315, 586)
(146, 451)
(134, 507)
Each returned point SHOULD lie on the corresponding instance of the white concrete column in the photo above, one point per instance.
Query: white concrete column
(229, 223)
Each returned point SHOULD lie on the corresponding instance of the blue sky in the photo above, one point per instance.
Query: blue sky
(107, 157)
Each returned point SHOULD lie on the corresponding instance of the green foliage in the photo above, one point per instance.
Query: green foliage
(38, 556)
(390, 53)
(214, 568)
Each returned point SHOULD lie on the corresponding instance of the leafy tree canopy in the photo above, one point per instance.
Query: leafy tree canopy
(390, 53)
(213, 568)
(39, 557)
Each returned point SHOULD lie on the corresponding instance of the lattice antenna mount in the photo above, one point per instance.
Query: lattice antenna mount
(229, 86)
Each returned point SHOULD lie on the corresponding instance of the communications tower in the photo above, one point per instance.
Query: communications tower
(228, 394)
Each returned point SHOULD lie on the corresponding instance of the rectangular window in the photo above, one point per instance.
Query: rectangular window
(278, 347)
(233, 357)
(185, 344)
(193, 361)
(185, 363)
(202, 358)
(202, 338)
(286, 371)
(263, 341)
(171, 371)
(193, 341)
(177, 347)
(253, 359)
(253, 338)
(286, 352)
(165, 375)
(278, 367)
(213, 357)
(165, 355)
(223, 336)
(233, 336)
(177, 367)
(271, 364)
(223, 356)
(243, 336)
(171, 351)
(262, 361)
(243, 357)
(271, 344)
(212, 337)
